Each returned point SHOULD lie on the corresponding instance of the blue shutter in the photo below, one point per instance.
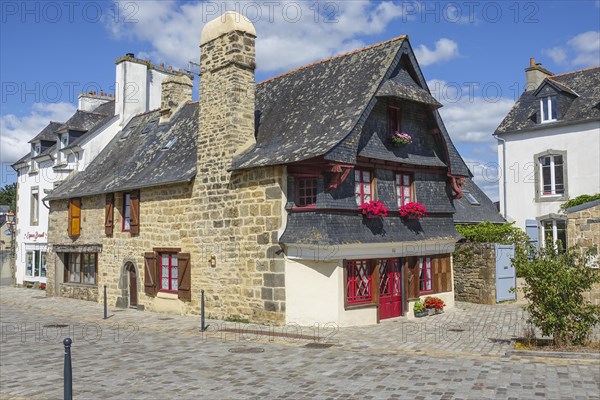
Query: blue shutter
(531, 228)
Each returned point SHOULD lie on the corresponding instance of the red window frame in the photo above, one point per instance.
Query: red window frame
(360, 185)
(425, 275)
(394, 119)
(402, 199)
(302, 186)
(359, 288)
(170, 268)
(126, 212)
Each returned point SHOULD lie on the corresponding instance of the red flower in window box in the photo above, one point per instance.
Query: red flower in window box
(413, 210)
(374, 209)
(434, 302)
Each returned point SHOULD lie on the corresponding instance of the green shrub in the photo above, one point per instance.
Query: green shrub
(555, 285)
(584, 198)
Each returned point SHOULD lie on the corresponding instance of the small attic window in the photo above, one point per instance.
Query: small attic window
(548, 109)
(470, 198)
(149, 126)
(169, 143)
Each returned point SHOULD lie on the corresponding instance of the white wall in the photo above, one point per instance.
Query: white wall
(582, 144)
(314, 292)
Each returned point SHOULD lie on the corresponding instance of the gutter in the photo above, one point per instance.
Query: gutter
(503, 173)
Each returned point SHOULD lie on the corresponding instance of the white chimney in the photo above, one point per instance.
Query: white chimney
(138, 86)
(91, 100)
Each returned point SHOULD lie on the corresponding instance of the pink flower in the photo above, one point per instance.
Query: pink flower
(413, 209)
(375, 208)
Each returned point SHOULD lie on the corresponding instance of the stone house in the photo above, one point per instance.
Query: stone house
(549, 144)
(253, 193)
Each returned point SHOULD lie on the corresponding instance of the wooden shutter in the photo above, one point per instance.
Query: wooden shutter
(442, 276)
(412, 281)
(135, 212)
(150, 274)
(74, 227)
(109, 213)
(184, 281)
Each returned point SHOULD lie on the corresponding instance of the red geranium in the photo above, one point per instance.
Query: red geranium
(413, 210)
(434, 302)
(374, 208)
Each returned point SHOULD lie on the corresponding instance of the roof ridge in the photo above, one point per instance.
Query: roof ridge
(401, 37)
(574, 72)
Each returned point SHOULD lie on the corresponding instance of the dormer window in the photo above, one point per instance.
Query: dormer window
(548, 109)
(63, 142)
(394, 119)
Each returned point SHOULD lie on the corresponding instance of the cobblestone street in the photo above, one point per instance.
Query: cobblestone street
(144, 355)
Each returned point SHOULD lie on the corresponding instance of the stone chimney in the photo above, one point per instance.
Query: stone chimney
(227, 88)
(535, 75)
(176, 91)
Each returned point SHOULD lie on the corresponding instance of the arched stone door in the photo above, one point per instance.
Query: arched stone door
(131, 274)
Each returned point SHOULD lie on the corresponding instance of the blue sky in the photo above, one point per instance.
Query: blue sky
(472, 53)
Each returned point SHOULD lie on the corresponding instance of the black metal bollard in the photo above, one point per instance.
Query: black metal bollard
(202, 326)
(68, 373)
(105, 311)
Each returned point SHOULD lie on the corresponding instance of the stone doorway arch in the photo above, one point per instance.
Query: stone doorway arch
(129, 283)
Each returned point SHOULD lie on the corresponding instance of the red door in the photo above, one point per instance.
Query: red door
(390, 288)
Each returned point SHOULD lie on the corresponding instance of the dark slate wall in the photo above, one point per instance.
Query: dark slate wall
(431, 189)
(374, 141)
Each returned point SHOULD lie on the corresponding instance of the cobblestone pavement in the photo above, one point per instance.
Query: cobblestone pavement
(144, 355)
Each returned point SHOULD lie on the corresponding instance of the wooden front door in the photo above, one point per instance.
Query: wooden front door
(390, 288)
(132, 288)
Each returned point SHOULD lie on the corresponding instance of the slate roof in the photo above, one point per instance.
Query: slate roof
(107, 110)
(585, 84)
(318, 104)
(84, 121)
(404, 87)
(139, 160)
(467, 213)
(48, 133)
(338, 228)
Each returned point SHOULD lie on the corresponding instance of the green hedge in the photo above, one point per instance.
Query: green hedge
(584, 198)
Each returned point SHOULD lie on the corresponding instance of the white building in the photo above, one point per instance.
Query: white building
(549, 148)
(61, 148)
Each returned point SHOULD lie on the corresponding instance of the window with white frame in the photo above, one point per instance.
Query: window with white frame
(552, 173)
(63, 141)
(35, 264)
(548, 109)
(36, 148)
(555, 231)
(34, 206)
(362, 186)
(403, 189)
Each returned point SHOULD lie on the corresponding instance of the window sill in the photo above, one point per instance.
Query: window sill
(360, 306)
(167, 295)
(31, 173)
(81, 285)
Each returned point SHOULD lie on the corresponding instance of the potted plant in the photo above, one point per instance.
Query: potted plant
(374, 209)
(435, 305)
(413, 210)
(400, 138)
(419, 309)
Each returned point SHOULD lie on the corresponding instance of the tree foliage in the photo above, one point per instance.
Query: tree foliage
(584, 198)
(8, 196)
(555, 285)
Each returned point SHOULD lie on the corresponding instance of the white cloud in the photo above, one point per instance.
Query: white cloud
(557, 54)
(582, 50)
(445, 49)
(469, 118)
(290, 33)
(18, 131)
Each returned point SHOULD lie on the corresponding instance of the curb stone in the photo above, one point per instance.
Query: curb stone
(554, 354)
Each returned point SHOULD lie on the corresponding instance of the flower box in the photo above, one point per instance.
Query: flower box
(413, 210)
(400, 138)
(421, 314)
(435, 305)
(374, 209)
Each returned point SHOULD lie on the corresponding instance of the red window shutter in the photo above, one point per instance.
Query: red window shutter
(135, 212)
(150, 274)
(184, 280)
(109, 214)
(74, 227)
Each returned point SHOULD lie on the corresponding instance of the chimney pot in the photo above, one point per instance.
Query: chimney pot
(532, 62)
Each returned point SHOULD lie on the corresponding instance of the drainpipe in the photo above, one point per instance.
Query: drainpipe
(503, 172)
